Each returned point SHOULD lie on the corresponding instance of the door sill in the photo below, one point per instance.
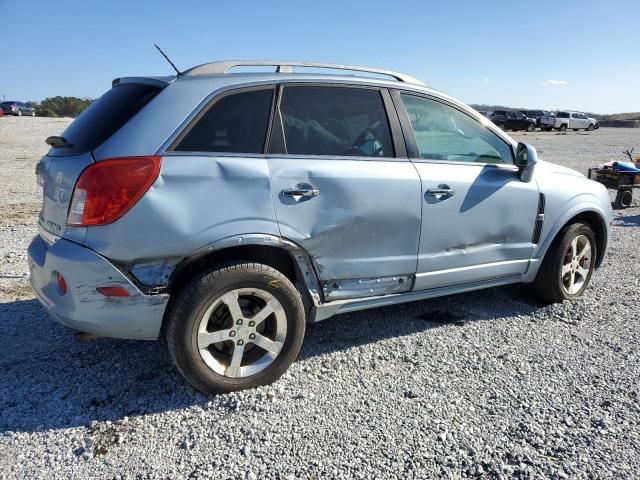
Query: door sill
(327, 310)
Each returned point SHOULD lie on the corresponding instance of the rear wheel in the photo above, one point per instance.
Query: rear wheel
(236, 327)
(568, 265)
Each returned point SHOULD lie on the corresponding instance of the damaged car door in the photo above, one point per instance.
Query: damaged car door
(478, 216)
(343, 191)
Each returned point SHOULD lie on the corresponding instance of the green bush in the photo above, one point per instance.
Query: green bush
(45, 112)
(66, 106)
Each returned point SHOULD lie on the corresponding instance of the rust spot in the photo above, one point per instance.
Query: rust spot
(274, 283)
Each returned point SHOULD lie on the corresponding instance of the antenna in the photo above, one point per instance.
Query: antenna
(167, 58)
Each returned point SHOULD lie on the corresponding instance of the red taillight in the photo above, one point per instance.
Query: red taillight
(113, 291)
(62, 284)
(107, 189)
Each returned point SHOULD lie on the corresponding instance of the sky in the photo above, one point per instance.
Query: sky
(582, 55)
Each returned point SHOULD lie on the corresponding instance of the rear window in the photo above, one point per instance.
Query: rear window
(105, 116)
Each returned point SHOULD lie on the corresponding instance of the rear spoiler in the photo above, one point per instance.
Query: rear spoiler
(155, 81)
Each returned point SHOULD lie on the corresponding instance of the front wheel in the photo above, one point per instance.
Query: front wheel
(531, 127)
(590, 128)
(502, 127)
(236, 327)
(568, 265)
(563, 128)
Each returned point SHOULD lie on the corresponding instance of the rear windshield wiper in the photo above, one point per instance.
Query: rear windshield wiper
(56, 142)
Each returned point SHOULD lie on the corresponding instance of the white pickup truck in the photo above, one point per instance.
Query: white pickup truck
(575, 121)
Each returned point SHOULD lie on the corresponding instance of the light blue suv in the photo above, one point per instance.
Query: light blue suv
(225, 210)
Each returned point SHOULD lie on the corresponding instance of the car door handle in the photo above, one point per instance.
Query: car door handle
(301, 192)
(441, 191)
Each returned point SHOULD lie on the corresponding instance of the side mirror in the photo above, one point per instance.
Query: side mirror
(526, 159)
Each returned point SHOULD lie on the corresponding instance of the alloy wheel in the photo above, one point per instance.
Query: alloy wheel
(576, 265)
(242, 332)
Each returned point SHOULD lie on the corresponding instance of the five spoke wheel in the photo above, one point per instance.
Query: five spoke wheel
(242, 332)
(576, 265)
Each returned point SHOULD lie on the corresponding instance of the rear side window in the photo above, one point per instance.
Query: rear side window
(105, 116)
(236, 123)
(335, 121)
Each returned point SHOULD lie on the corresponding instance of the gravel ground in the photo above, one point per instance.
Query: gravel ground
(486, 385)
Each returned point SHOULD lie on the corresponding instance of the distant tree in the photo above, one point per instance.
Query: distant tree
(65, 106)
(45, 112)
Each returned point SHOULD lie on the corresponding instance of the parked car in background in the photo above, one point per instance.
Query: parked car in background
(224, 210)
(17, 108)
(545, 120)
(512, 120)
(575, 121)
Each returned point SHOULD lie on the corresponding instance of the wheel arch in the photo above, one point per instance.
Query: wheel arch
(285, 256)
(589, 216)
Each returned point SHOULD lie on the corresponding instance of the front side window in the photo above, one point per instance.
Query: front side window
(445, 133)
(236, 123)
(335, 121)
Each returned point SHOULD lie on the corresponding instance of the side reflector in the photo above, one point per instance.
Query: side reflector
(113, 291)
(62, 284)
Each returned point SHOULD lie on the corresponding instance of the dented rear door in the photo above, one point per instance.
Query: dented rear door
(340, 191)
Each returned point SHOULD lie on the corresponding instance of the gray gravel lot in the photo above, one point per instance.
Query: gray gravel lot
(487, 384)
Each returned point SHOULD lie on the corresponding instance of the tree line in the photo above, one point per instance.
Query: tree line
(61, 106)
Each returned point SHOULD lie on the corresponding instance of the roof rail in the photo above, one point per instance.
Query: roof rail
(284, 66)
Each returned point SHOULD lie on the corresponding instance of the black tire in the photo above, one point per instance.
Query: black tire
(502, 127)
(590, 128)
(624, 199)
(563, 127)
(531, 127)
(548, 284)
(193, 302)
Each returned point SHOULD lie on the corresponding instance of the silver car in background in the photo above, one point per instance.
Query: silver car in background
(225, 210)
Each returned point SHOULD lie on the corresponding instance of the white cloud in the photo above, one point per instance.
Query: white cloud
(554, 82)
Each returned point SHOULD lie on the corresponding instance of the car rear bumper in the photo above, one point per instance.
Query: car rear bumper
(83, 308)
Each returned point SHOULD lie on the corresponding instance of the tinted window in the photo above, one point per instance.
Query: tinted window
(236, 123)
(105, 116)
(562, 115)
(335, 121)
(445, 133)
